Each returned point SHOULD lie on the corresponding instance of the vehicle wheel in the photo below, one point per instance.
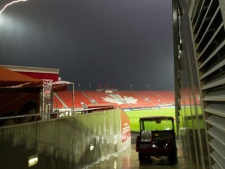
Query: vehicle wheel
(141, 157)
(173, 158)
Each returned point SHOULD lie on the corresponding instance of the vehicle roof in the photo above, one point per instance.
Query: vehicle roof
(156, 117)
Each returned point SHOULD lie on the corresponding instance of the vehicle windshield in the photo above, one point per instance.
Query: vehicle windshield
(157, 125)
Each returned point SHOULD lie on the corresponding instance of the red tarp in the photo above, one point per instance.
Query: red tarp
(10, 79)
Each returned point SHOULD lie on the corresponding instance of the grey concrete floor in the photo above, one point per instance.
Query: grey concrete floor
(128, 159)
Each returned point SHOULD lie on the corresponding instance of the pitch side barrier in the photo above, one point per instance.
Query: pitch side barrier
(147, 108)
(57, 113)
(76, 141)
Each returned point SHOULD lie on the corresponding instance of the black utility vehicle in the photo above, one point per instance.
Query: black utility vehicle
(157, 138)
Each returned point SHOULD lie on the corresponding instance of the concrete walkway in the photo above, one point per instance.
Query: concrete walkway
(128, 159)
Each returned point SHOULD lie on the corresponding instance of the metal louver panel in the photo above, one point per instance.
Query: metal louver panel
(214, 82)
(207, 19)
(208, 28)
(196, 11)
(217, 122)
(219, 148)
(215, 96)
(216, 109)
(201, 49)
(213, 69)
(217, 134)
(212, 54)
(209, 42)
(200, 13)
(216, 166)
(220, 161)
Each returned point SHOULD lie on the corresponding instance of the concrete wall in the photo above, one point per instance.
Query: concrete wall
(69, 142)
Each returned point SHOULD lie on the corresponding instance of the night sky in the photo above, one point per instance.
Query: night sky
(121, 43)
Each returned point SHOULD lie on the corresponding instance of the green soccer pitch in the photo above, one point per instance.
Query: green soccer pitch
(136, 114)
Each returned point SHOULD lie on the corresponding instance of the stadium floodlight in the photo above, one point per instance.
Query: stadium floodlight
(13, 2)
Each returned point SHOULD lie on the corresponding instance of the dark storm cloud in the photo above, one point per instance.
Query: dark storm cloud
(110, 42)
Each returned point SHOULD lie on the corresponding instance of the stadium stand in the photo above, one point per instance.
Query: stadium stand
(57, 103)
(80, 97)
(123, 99)
(66, 97)
(169, 95)
(129, 99)
(154, 99)
(96, 96)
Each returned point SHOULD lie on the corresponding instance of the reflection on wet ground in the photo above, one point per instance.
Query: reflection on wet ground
(128, 159)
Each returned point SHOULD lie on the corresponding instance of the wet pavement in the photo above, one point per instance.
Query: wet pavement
(128, 159)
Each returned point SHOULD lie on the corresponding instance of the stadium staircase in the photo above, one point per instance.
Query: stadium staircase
(58, 102)
(97, 96)
(67, 98)
(168, 95)
(81, 97)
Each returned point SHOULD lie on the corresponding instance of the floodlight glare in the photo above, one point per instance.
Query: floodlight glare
(13, 2)
(32, 161)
